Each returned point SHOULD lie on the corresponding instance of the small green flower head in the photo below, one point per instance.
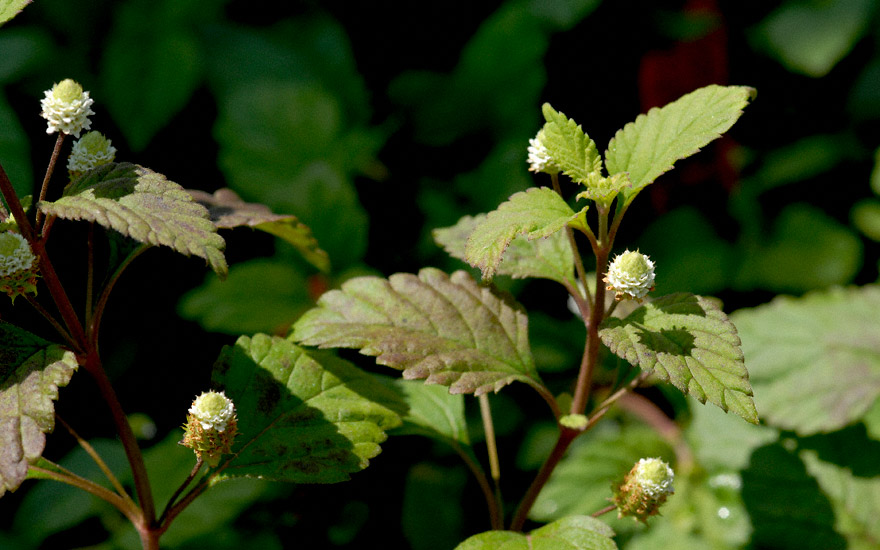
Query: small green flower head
(539, 157)
(210, 427)
(19, 268)
(90, 151)
(67, 108)
(644, 489)
(631, 274)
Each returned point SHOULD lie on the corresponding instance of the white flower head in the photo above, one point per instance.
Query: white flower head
(90, 151)
(15, 254)
(213, 410)
(539, 157)
(654, 476)
(67, 108)
(631, 274)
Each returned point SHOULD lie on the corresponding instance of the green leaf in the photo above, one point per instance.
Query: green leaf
(426, 523)
(570, 533)
(143, 205)
(723, 442)
(547, 258)
(11, 8)
(433, 412)
(811, 37)
(651, 144)
(446, 329)
(227, 211)
(152, 64)
(596, 460)
(570, 148)
(16, 150)
(686, 340)
(31, 371)
(538, 212)
(865, 216)
(300, 418)
(814, 361)
(262, 295)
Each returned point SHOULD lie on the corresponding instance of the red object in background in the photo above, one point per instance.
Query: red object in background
(666, 75)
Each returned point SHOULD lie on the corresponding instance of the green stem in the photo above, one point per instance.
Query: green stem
(491, 446)
(578, 261)
(53, 160)
(68, 477)
(192, 475)
(99, 461)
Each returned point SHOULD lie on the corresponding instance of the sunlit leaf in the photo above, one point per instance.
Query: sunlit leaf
(145, 206)
(11, 8)
(570, 148)
(570, 533)
(538, 212)
(651, 144)
(31, 371)
(548, 258)
(814, 362)
(301, 419)
(446, 329)
(227, 211)
(687, 341)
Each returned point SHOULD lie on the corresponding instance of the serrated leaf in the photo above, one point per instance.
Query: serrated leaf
(686, 340)
(11, 8)
(445, 329)
(570, 148)
(143, 205)
(651, 144)
(227, 211)
(300, 418)
(814, 361)
(537, 212)
(571, 533)
(31, 371)
(547, 258)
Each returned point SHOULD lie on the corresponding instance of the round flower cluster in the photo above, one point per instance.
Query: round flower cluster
(210, 427)
(90, 151)
(18, 265)
(67, 108)
(644, 489)
(631, 274)
(539, 157)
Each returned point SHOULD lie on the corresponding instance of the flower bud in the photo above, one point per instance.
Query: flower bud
(644, 489)
(539, 157)
(90, 151)
(210, 427)
(631, 274)
(67, 108)
(19, 268)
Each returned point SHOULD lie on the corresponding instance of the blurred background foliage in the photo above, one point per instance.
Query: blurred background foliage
(375, 122)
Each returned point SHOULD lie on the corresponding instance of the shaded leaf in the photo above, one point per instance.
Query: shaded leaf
(227, 211)
(723, 442)
(301, 419)
(11, 8)
(570, 148)
(433, 412)
(31, 371)
(547, 258)
(145, 206)
(811, 37)
(570, 533)
(16, 150)
(814, 361)
(446, 329)
(686, 340)
(651, 144)
(425, 522)
(537, 212)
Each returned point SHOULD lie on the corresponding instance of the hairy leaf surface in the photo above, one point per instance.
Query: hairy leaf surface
(227, 211)
(570, 533)
(570, 148)
(301, 418)
(145, 206)
(547, 258)
(814, 361)
(31, 371)
(537, 212)
(686, 340)
(445, 329)
(651, 144)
